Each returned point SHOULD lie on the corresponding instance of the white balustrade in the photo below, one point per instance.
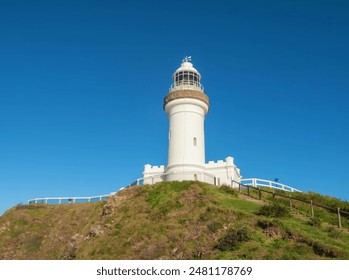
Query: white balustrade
(256, 182)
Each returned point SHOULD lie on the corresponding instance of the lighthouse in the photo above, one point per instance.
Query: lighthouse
(186, 106)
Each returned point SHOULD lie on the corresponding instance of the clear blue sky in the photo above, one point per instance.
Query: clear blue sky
(82, 86)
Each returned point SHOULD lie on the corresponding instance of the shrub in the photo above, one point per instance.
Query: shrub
(264, 224)
(324, 250)
(233, 238)
(214, 226)
(274, 210)
(315, 222)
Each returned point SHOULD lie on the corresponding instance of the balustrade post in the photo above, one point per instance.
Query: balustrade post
(339, 218)
(260, 193)
(312, 208)
(248, 190)
(290, 202)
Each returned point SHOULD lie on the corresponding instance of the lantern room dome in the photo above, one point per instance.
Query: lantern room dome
(187, 66)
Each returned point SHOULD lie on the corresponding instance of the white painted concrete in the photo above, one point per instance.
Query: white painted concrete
(186, 108)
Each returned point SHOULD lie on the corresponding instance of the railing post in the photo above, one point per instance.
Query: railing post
(339, 217)
(273, 195)
(100, 198)
(254, 182)
(239, 188)
(248, 190)
(137, 182)
(290, 202)
(312, 208)
(60, 201)
(260, 193)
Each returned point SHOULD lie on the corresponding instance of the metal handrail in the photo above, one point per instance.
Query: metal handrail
(69, 199)
(257, 182)
(187, 85)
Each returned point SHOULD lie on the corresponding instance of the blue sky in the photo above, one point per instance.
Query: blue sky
(82, 86)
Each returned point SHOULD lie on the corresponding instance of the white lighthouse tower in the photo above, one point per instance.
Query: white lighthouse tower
(186, 106)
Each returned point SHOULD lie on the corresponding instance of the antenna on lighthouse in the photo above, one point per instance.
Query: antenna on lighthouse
(186, 59)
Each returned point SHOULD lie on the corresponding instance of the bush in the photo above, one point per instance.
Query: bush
(233, 238)
(315, 222)
(214, 226)
(264, 224)
(274, 210)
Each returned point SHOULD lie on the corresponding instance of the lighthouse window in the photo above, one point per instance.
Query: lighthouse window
(194, 141)
(180, 76)
(187, 76)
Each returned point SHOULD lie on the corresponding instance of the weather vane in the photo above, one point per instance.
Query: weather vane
(186, 59)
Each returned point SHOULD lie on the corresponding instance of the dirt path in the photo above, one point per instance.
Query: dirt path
(255, 200)
(295, 214)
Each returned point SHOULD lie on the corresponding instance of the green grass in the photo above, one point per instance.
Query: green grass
(304, 208)
(169, 220)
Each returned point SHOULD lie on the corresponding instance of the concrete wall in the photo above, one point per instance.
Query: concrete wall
(153, 174)
(215, 173)
(225, 171)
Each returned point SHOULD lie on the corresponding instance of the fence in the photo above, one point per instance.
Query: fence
(204, 177)
(255, 182)
(65, 200)
(306, 207)
(253, 187)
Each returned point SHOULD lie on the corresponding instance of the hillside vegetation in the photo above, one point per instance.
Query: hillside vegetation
(169, 220)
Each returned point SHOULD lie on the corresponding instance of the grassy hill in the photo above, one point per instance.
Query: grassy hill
(169, 220)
